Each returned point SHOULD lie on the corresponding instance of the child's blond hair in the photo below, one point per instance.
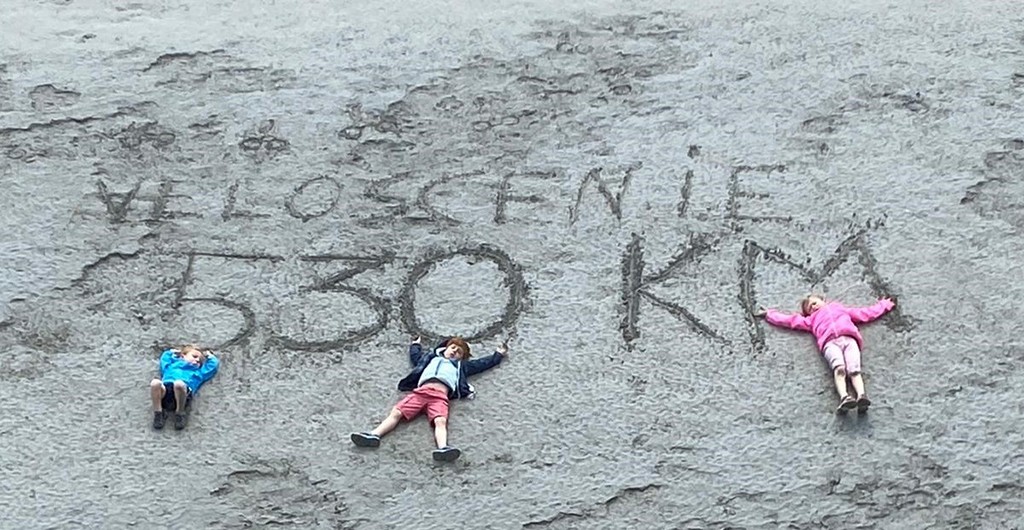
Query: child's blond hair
(192, 347)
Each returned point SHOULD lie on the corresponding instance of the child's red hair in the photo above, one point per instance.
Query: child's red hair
(461, 343)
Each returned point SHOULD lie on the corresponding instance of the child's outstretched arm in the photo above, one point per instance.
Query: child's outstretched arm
(863, 315)
(486, 363)
(782, 320)
(415, 351)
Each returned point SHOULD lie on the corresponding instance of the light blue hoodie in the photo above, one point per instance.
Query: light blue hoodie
(444, 370)
(174, 368)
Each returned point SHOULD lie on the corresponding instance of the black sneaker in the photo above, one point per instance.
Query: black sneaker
(846, 404)
(179, 420)
(447, 454)
(159, 418)
(863, 403)
(365, 439)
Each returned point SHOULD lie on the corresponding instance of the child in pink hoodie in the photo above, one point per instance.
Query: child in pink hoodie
(834, 326)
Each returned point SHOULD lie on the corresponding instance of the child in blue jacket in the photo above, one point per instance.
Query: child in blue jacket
(182, 372)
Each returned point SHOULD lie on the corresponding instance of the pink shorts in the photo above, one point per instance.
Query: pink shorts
(432, 400)
(843, 352)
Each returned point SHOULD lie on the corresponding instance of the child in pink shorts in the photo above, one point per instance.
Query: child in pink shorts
(438, 376)
(834, 327)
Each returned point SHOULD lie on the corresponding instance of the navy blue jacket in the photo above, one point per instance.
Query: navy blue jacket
(420, 359)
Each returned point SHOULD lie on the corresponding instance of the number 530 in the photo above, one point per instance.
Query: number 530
(311, 301)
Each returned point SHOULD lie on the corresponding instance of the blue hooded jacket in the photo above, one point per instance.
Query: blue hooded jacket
(174, 368)
(420, 359)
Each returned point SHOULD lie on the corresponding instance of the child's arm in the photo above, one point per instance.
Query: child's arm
(486, 363)
(798, 322)
(209, 368)
(863, 315)
(416, 352)
(166, 358)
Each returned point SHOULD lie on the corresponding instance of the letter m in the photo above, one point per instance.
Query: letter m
(855, 245)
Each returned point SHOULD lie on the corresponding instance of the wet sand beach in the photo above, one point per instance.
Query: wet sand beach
(612, 187)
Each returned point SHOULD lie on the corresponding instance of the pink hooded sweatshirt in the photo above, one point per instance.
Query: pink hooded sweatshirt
(831, 321)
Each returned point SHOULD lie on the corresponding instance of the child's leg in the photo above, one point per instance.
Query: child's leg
(846, 401)
(437, 413)
(156, 394)
(833, 353)
(851, 359)
(863, 403)
(180, 396)
(389, 423)
(858, 384)
(839, 377)
(441, 431)
(444, 452)
(372, 438)
(406, 409)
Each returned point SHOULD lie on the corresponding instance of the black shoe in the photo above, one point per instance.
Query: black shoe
(863, 403)
(365, 439)
(159, 417)
(846, 404)
(179, 420)
(447, 454)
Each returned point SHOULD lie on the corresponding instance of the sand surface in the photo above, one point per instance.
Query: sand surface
(610, 186)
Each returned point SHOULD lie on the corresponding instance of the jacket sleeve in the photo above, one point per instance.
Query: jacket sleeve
(166, 358)
(416, 354)
(209, 368)
(483, 364)
(783, 320)
(863, 315)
